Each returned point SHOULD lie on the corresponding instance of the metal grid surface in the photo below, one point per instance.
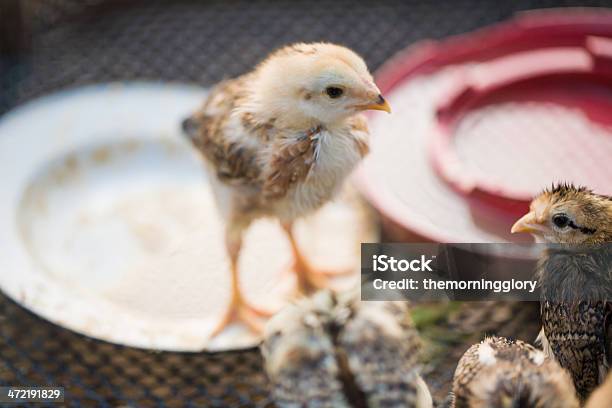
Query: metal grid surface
(81, 42)
(98, 374)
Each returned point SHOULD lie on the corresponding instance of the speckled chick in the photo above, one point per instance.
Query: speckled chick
(332, 350)
(504, 373)
(575, 277)
(280, 141)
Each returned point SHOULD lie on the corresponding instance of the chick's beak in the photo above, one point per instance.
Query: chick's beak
(528, 223)
(380, 104)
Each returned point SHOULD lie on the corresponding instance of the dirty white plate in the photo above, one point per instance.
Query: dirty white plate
(108, 226)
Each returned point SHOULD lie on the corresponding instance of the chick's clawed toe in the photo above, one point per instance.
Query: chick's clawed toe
(240, 311)
(307, 280)
(311, 279)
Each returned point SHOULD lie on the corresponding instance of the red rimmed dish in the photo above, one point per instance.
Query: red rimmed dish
(483, 121)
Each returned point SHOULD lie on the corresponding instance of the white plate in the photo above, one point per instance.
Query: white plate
(108, 227)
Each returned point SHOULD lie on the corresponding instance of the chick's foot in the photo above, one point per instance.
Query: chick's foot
(240, 311)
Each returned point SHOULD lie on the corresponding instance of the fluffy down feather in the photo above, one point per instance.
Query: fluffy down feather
(504, 373)
(334, 350)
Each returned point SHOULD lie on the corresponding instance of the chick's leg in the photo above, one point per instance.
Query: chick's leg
(309, 279)
(239, 310)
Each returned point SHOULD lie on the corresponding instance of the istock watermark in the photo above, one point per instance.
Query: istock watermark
(479, 271)
(383, 263)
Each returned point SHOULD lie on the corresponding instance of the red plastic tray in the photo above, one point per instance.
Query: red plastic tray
(529, 103)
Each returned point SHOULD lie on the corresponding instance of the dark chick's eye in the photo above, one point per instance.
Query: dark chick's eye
(561, 220)
(334, 92)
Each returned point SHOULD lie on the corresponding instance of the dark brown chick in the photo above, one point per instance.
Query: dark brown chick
(575, 276)
(503, 373)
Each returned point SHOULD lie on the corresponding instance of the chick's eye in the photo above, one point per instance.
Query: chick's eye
(561, 220)
(334, 92)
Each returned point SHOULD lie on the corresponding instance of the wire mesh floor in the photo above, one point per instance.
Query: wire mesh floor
(99, 374)
(81, 42)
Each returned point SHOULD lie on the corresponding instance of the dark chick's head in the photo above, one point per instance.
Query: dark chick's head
(524, 384)
(505, 373)
(566, 214)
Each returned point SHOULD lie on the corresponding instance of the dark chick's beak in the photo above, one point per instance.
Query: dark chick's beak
(190, 128)
(380, 104)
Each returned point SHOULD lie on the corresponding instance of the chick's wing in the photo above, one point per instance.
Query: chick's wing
(223, 139)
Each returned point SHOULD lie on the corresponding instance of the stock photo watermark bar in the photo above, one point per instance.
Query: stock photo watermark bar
(475, 272)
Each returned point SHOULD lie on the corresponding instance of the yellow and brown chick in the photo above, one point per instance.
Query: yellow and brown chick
(332, 350)
(280, 141)
(575, 277)
(504, 373)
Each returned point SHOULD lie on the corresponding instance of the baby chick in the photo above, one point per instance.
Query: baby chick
(575, 280)
(332, 350)
(507, 374)
(280, 141)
